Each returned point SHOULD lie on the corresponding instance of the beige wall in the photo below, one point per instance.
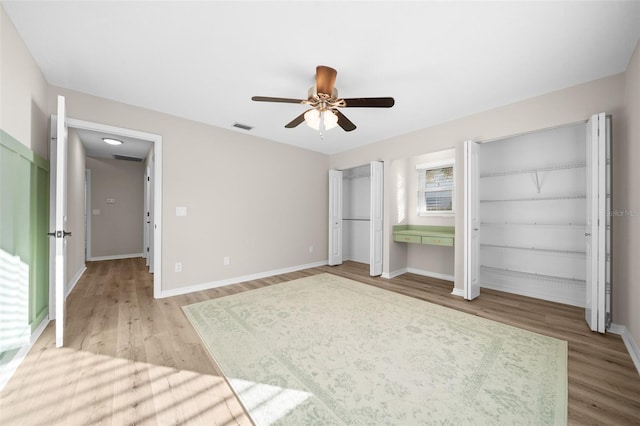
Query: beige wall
(558, 108)
(23, 91)
(626, 203)
(263, 204)
(117, 229)
(258, 202)
(75, 207)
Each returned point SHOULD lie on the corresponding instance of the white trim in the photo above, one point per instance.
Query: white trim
(236, 280)
(437, 275)
(157, 187)
(116, 257)
(629, 342)
(75, 280)
(531, 291)
(416, 271)
(458, 292)
(393, 274)
(10, 368)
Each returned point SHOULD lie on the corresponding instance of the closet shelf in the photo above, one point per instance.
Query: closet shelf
(549, 168)
(510, 273)
(508, 200)
(533, 225)
(534, 249)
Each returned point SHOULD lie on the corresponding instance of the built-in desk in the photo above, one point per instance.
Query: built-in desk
(424, 234)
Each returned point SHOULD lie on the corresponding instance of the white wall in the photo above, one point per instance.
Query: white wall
(75, 208)
(23, 91)
(116, 228)
(626, 203)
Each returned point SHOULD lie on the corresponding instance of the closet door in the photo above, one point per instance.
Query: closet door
(596, 230)
(375, 224)
(471, 221)
(335, 217)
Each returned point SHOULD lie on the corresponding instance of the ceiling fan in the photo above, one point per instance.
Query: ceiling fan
(324, 102)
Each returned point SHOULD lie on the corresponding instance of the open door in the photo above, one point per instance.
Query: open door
(471, 221)
(335, 217)
(596, 234)
(377, 207)
(58, 218)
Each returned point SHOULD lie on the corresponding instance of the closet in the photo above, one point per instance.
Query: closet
(355, 215)
(356, 202)
(541, 228)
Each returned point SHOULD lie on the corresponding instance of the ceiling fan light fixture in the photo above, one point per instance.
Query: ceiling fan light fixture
(330, 119)
(312, 118)
(112, 141)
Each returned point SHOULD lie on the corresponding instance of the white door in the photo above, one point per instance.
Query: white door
(596, 229)
(146, 220)
(471, 221)
(335, 217)
(58, 219)
(375, 225)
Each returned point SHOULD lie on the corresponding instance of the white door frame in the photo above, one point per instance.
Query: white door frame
(471, 221)
(335, 217)
(376, 217)
(157, 187)
(87, 214)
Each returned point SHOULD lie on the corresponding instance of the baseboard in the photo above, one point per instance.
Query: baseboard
(115, 257)
(629, 342)
(437, 275)
(395, 273)
(458, 292)
(10, 368)
(75, 280)
(236, 280)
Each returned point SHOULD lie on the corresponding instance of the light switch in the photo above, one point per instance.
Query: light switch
(96, 212)
(181, 211)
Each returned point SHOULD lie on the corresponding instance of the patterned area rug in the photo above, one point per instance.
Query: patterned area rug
(327, 350)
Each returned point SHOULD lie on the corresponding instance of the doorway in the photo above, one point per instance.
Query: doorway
(356, 215)
(152, 201)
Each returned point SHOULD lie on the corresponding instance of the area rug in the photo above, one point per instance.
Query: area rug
(327, 350)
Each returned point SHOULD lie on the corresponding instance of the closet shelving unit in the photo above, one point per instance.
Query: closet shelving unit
(533, 218)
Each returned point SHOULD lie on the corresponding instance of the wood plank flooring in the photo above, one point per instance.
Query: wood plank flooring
(130, 359)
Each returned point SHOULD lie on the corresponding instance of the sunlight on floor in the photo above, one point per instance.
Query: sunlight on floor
(67, 386)
(267, 403)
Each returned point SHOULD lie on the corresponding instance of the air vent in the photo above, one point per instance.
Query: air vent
(242, 126)
(124, 157)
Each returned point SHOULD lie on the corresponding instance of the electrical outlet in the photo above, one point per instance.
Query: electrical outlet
(178, 266)
(226, 260)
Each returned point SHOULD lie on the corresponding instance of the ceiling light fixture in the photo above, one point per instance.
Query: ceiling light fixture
(327, 118)
(112, 141)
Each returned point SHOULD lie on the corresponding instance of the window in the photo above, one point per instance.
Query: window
(436, 188)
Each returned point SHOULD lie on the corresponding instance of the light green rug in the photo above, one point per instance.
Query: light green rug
(327, 350)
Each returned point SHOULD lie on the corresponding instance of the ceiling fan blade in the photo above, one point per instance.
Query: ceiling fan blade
(296, 121)
(344, 122)
(325, 79)
(369, 102)
(270, 99)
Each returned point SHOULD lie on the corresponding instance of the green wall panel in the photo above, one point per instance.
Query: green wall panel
(24, 248)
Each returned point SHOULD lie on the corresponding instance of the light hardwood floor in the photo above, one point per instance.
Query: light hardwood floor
(130, 359)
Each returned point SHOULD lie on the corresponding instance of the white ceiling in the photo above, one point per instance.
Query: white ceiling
(96, 147)
(439, 60)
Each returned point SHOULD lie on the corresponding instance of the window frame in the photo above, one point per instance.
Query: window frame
(422, 191)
